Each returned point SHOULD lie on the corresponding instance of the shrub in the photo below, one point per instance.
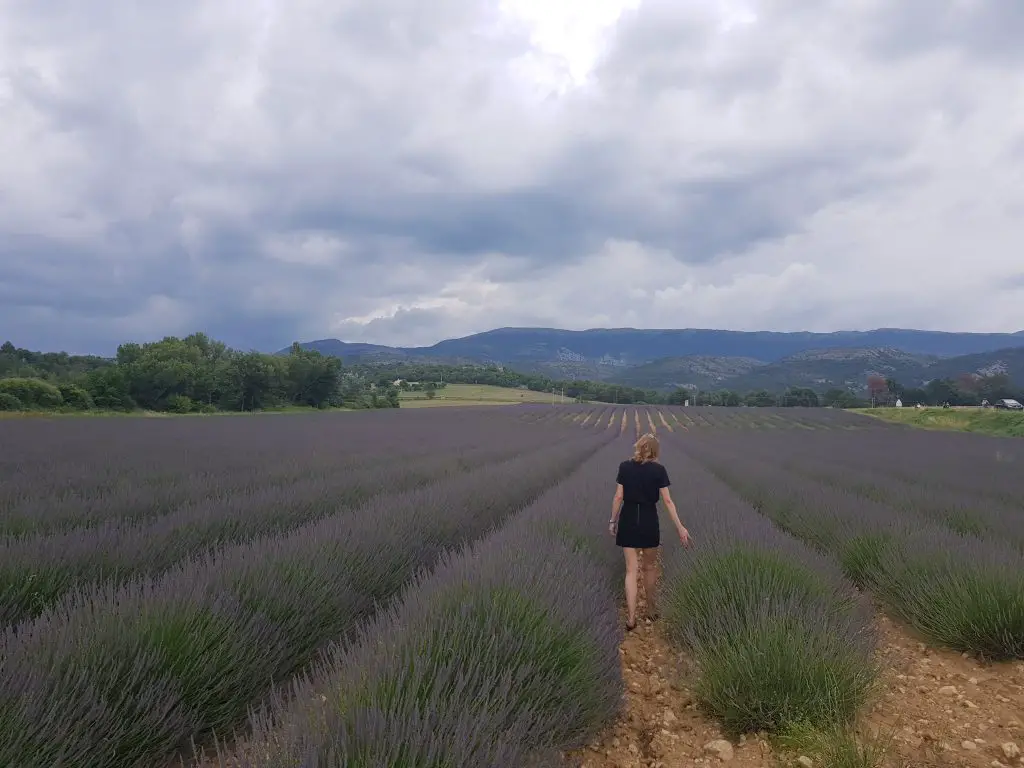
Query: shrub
(180, 404)
(75, 398)
(34, 394)
(783, 664)
(964, 594)
(777, 635)
(737, 582)
(9, 402)
(772, 640)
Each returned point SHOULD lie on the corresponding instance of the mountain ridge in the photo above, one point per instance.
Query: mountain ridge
(707, 358)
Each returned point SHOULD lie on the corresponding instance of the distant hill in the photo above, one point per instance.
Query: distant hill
(346, 350)
(1006, 361)
(666, 358)
(846, 369)
(695, 372)
(822, 369)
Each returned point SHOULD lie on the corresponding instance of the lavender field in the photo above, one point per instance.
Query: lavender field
(438, 588)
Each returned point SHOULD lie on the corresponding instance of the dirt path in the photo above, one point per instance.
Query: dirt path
(934, 702)
(943, 710)
(660, 726)
(939, 703)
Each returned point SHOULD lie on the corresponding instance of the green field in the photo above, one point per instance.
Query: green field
(476, 394)
(986, 421)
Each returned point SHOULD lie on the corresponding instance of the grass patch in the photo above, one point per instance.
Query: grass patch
(987, 421)
(837, 747)
(477, 394)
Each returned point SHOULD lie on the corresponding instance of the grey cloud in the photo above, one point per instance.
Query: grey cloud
(162, 164)
(408, 327)
(990, 31)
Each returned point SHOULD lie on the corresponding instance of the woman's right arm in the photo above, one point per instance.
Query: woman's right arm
(666, 498)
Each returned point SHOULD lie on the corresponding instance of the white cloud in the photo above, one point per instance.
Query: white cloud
(398, 173)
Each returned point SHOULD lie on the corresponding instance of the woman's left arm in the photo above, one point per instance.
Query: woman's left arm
(616, 506)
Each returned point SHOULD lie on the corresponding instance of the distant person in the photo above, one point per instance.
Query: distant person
(640, 483)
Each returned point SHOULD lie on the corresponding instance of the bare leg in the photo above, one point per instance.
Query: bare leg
(632, 566)
(651, 573)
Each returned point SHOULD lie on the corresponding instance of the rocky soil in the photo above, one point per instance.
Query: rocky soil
(937, 708)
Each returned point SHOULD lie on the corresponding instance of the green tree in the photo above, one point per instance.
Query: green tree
(800, 397)
(311, 377)
(253, 381)
(110, 388)
(840, 398)
(678, 396)
(996, 387)
(914, 396)
(942, 391)
(759, 399)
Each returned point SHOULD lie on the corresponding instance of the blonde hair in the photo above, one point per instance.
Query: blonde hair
(646, 449)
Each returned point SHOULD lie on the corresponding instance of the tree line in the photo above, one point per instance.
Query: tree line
(195, 374)
(419, 373)
(966, 389)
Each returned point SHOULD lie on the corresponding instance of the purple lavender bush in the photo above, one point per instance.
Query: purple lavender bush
(126, 677)
(959, 588)
(963, 593)
(36, 570)
(777, 633)
(507, 651)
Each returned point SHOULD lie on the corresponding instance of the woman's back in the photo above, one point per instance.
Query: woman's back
(642, 481)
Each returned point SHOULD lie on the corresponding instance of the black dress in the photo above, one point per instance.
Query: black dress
(638, 518)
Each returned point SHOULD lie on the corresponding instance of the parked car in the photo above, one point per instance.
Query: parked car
(1009, 405)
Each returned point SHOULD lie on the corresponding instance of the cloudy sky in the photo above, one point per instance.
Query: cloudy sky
(400, 171)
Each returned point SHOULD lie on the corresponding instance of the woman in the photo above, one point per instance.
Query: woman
(640, 483)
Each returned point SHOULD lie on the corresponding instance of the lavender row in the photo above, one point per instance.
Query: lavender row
(986, 467)
(963, 592)
(961, 512)
(822, 463)
(127, 676)
(124, 497)
(771, 419)
(36, 571)
(80, 472)
(778, 634)
(506, 651)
